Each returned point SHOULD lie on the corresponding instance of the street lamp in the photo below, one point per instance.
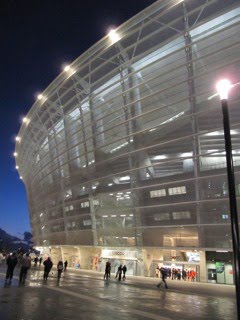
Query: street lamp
(223, 87)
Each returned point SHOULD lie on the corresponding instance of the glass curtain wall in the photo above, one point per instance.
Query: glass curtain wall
(126, 147)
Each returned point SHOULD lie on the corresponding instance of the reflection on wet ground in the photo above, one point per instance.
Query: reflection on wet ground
(85, 295)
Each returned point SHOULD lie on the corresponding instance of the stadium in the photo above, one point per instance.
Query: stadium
(123, 154)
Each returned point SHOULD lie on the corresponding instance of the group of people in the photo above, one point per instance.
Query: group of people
(37, 260)
(120, 271)
(61, 266)
(178, 274)
(24, 261)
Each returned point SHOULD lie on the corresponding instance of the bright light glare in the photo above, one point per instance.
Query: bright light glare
(113, 35)
(17, 139)
(25, 120)
(17, 167)
(67, 68)
(40, 96)
(15, 154)
(223, 87)
(70, 71)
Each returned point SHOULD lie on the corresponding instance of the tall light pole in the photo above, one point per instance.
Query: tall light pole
(223, 88)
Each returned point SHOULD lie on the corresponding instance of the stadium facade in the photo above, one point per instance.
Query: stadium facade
(123, 155)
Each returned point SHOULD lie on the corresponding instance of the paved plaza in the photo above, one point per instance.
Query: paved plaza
(85, 295)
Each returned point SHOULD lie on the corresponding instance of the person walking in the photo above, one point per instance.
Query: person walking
(107, 270)
(119, 273)
(40, 261)
(184, 275)
(124, 269)
(25, 266)
(35, 261)
(65, 265)
(59, 269)
(47, 267)
(11, 264)
(163, 272)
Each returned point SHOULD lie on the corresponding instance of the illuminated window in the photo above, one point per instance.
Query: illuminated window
(69, 208)
(87, 222)
(225, 216)
(161, 216)
(96, 202)
(158, 193)
(85, 204)
(177, 190)
(71, 224)
(181, 215)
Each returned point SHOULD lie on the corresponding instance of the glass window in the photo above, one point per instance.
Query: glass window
(85, 204)
(87, 222)
(225, 216)
(161, 216)
(181, 215)
(158, 193)
(177, 190)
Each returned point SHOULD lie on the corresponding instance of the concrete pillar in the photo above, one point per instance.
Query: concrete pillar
(203, 267)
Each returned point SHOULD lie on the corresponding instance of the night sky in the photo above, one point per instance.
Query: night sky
(37, 39)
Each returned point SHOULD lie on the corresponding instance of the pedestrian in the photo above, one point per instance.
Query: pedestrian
(65, 265)
(124, 269)
(184, 274)
(178, 274)
(107, 270)
(40, 261)
(163, 272)
(193, 275)
(174, 274)
(119, 273)
(11, 264)
(47, 267)
(25, 265)
(59, 269)
(35, 261)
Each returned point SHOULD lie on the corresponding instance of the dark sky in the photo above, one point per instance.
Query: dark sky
(36, 38)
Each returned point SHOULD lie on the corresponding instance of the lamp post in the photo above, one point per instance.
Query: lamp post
(223, 88)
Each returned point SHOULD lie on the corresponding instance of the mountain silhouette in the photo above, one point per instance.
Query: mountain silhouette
(11, 243)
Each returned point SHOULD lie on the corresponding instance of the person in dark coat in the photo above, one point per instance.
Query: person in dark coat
(11, 264)
(119, 273)
(47, 267)
(124, 269)
(65, 265)
(40, 261)
(163, 272)
(35, 261)
(184, 274)
(107, 270)
(59, 269)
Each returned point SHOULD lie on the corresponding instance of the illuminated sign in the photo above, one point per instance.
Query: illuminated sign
(193, 256)
(116, 254)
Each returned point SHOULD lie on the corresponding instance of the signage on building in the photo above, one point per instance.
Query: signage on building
(193, 256)
(119, 254)
(220, 267)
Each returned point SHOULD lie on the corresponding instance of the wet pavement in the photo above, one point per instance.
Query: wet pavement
(85, 295)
